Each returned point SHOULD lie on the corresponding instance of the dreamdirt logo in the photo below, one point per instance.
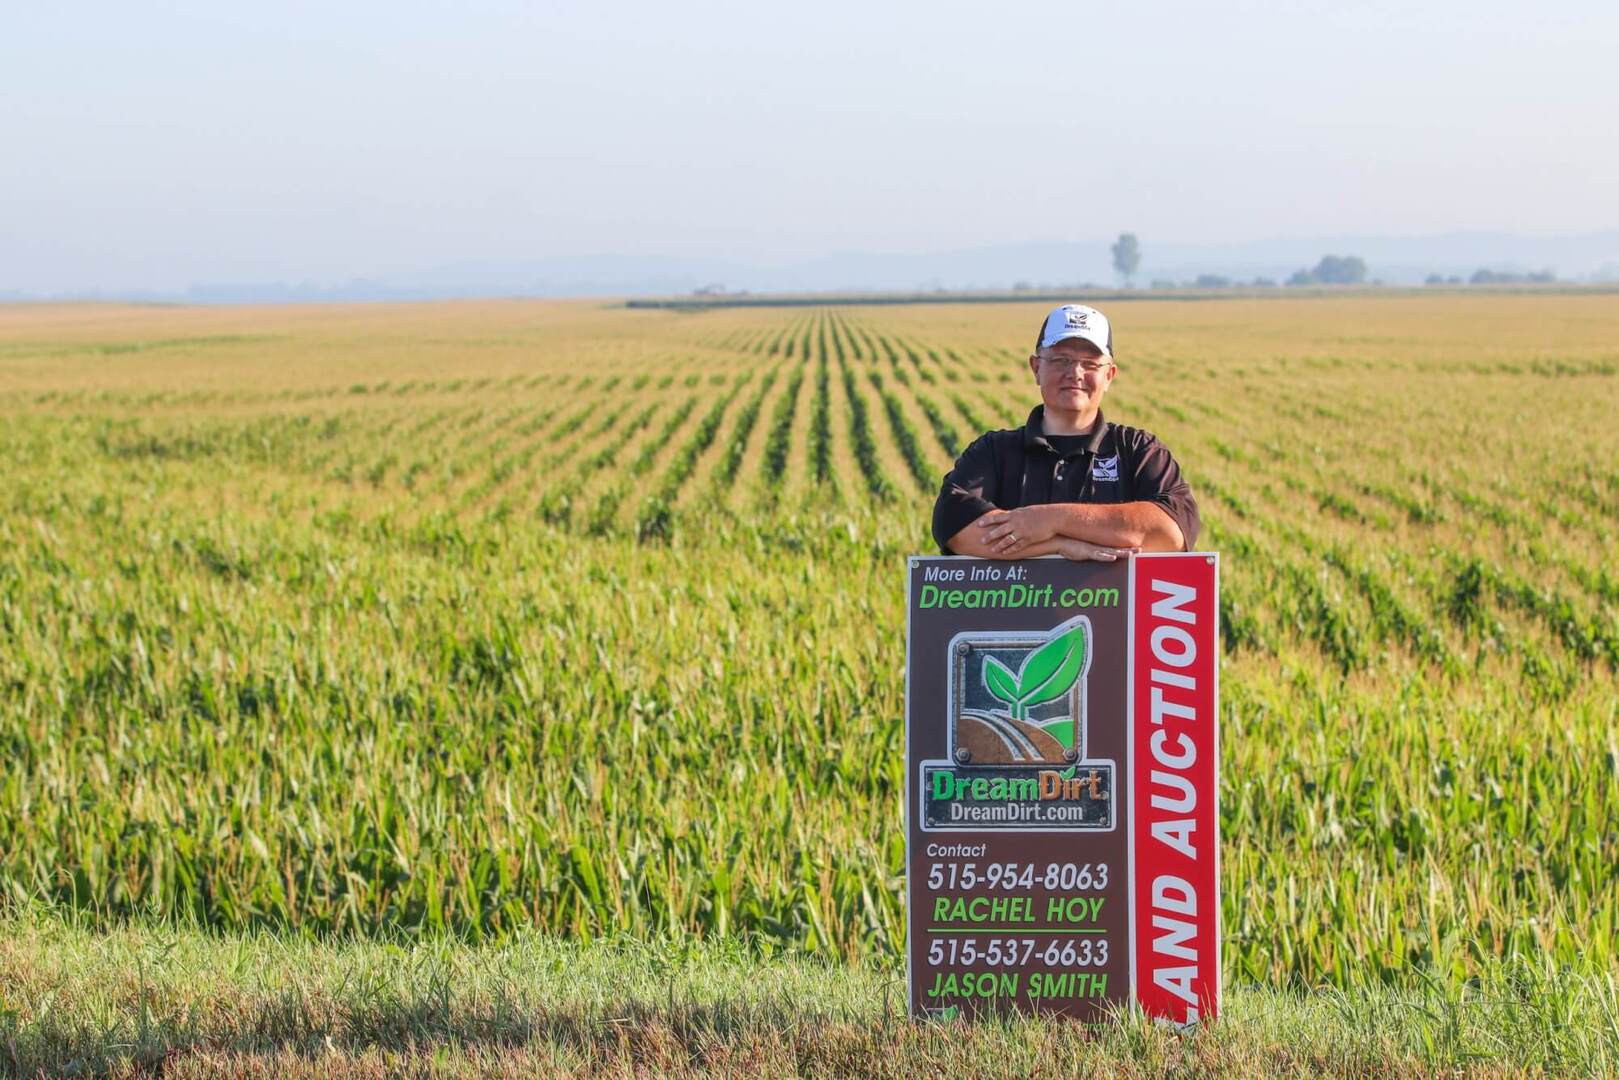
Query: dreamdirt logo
(1017, 698)
(1017, 708)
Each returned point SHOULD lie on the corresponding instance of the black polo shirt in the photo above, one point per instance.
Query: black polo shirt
(1020, 467)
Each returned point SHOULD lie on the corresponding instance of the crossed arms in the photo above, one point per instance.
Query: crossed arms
(1103, 531)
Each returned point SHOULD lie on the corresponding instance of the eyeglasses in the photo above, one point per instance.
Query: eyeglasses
(1068, 366)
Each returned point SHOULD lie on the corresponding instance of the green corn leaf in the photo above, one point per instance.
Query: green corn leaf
(1000, 681)
(1052, 668)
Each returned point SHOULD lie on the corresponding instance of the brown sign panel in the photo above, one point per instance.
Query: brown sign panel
(1019, 738)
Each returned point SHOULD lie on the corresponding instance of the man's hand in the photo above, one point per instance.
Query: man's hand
(1080, 551)
(1005, 533)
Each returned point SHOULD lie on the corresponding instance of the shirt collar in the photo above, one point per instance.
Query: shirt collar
(1033, 436)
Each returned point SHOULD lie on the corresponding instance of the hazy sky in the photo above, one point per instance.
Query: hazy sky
(158, 144)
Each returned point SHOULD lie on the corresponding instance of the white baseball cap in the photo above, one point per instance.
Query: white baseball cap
(1076, 321)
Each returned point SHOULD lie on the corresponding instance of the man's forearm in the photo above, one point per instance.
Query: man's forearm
(1143, 525)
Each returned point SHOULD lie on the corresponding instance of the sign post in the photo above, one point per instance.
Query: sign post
(1061, 762)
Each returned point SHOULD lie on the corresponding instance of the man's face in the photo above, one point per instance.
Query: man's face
(1073, 375)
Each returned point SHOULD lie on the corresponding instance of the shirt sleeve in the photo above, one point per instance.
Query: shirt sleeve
(967, 494)
(1157, 479)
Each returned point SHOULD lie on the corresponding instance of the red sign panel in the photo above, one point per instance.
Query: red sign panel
(1174, 740)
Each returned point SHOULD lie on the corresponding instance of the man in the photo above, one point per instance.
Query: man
(1068, 482)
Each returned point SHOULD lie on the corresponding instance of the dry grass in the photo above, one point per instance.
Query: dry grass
(151, 1001)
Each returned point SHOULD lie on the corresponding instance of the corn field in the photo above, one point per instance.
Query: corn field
(463, 618)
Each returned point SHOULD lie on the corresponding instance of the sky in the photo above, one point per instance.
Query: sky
(162, 144)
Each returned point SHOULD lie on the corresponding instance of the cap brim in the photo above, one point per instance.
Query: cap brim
(1070, 335)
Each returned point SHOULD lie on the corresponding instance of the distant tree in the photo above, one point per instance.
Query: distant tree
(1163, 283)
(1332, 270)
(1435, 279)
(1341, 270)
(1485, 276)
(1264, 283)
(1211, 281)
(1126, 256)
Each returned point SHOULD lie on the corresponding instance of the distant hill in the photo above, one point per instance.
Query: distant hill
(1065, 267)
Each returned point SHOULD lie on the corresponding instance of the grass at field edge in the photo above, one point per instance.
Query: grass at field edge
(149, 1000)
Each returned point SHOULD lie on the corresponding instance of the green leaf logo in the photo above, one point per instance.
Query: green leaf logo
(1048, 672)
(999, 680)
(1051, 669)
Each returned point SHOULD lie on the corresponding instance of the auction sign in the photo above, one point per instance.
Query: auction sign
(1061, 740)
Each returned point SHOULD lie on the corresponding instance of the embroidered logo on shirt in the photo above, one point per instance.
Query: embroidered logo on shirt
(1105, 468)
